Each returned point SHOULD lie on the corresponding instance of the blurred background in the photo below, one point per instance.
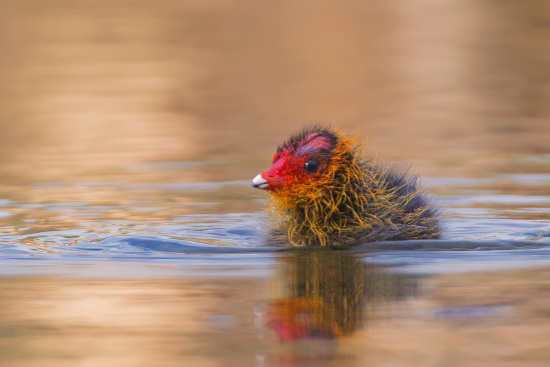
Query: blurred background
(89, 88)
(130, 131)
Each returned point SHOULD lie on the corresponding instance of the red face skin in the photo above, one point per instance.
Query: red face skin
(289, 165)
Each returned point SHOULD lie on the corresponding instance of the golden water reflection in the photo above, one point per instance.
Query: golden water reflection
(376, 317)
(321, 296)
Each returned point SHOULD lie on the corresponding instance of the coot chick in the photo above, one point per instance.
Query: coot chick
(325, 192)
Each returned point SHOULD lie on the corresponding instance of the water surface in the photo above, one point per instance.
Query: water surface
(176, 272)
(130, 130)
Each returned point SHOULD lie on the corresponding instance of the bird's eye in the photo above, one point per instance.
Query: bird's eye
(312, 165)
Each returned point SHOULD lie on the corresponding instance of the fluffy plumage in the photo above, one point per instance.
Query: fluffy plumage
(324, 192)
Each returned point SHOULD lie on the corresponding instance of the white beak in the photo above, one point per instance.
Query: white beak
(259, 182)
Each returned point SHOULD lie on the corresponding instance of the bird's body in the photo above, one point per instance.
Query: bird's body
(325, 193)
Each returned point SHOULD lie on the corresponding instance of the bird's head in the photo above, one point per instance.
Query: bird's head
(306, 159)
(317, 189)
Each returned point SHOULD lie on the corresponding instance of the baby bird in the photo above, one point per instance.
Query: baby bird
(324, 192)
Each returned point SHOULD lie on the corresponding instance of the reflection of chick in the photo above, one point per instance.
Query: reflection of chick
(325, 194)
(330, 294)
(324, 296)
(303, 318)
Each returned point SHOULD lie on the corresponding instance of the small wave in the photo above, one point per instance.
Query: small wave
(190, 247)
(179, 246)
(494, 244)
